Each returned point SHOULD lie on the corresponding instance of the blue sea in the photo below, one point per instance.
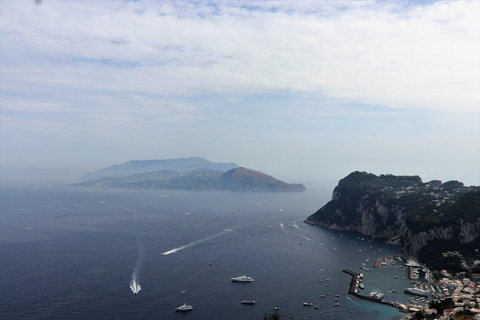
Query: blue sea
(83, 253)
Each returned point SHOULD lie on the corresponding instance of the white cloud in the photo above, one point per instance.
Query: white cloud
(364, 52)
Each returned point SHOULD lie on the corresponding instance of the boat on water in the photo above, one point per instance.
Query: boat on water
(248, 302)
(417, 291)
(307, 304)
(185, 307)
(372, 294)
(336, 304)
(361, 286)
(379, 296)
(243, 278)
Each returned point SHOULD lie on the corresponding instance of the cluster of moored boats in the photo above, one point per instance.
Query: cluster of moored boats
(244, 278)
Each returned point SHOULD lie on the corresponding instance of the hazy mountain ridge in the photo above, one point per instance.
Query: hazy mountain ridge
(409, 212)
(238, 179)
(142, 166)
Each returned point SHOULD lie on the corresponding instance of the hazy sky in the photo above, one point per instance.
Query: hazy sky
(302, 90)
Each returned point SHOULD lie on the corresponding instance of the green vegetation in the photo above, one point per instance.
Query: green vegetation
(274, 315)
(428, 214)
(442, 305)
(368, 181)
(431, 254)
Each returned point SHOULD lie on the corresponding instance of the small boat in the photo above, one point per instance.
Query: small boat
(336, 304)
(185, 307)
(308, 304)
(276, 308)
(248, 302)
(361, 286)
(379, 296)
(243, 278)
(316, 307)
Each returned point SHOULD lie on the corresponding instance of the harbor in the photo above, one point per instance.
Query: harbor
(354, 290)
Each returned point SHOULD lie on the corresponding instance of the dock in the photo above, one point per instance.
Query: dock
(353, 290)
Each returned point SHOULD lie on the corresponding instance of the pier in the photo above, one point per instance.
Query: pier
(353, 290)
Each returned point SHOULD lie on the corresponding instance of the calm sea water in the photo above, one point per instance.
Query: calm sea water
(75, 253)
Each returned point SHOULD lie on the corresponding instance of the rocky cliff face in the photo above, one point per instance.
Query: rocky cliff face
(405, 210)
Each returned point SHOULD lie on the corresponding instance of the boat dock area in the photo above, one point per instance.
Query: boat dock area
(353, 290)
(387, 262)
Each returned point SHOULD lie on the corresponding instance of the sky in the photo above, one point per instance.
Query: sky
(306, 91)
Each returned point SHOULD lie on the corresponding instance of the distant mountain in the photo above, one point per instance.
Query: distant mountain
(239, 179)
(141, 166)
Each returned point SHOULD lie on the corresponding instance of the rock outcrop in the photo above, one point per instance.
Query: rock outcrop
(403, 209)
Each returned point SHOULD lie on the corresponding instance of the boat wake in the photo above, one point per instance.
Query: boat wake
(192, 244)
(312, 241)
(294, 224)
(134, 282)
(283, 228)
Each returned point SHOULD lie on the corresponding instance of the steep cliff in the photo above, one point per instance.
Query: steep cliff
(404, 209)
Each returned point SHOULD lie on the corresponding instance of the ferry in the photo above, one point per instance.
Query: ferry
(185, 307)
(243, 278)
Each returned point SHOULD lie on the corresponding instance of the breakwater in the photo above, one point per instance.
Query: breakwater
(353, 290)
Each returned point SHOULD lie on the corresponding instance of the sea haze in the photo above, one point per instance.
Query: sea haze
(81, 253)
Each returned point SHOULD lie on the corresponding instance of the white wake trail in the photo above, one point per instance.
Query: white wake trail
(283, 228)
(134, 282)
(191, 244)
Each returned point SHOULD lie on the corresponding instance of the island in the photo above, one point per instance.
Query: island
(211, 178)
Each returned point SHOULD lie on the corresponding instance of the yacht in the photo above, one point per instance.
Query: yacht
(379, 296)
(243, 278)
(185, 307)
(248, 301)
(307, 304)
(417, 291)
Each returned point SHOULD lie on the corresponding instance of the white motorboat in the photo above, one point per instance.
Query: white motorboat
(185, 307)
(243, 278)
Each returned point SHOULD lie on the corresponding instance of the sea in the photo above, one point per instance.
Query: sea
(94, 253)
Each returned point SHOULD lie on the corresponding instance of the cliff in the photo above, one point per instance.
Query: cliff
(403, 209)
